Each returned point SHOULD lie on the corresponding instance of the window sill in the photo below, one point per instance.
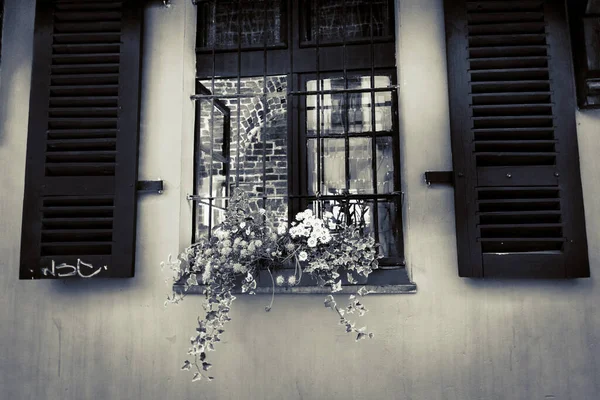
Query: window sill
(398, 283)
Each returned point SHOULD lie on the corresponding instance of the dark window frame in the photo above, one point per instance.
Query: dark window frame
(297, 59)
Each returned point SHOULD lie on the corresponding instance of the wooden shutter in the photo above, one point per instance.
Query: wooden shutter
(518, 199)
(80, 205)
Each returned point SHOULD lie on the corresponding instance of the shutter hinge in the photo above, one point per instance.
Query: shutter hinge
(150, 186)
(439, 177)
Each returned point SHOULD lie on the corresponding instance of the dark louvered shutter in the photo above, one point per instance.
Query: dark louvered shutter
(80, 207)
(519, 209)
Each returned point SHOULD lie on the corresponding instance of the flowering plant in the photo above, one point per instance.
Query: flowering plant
(245, 242)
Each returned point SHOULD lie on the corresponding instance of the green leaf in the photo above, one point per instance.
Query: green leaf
(186, 366)
(206, 366)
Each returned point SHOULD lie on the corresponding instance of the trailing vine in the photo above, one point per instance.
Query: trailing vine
(247, 241)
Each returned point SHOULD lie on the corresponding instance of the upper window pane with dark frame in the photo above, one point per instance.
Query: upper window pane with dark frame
(232, 24)
(346, 21)
(299, 121)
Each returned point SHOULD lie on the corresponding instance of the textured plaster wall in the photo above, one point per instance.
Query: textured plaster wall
(456, 339)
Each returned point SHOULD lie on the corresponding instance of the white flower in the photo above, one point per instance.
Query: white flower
(248, 231)
(308, 212)
(206, 274)
(327, 215)
(258, 243)
(302, 256)
(226, 251)
(300, 216)
(292, 280)
(243, 225)
(290, 247)
(281, 230)
(279, 280)
(239, 268)
(325, 238)
(312, 242)
(262, 211)
(331, 225)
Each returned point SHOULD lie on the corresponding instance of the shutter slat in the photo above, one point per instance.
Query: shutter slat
(510, 98)
(91, 58)
(508, 28)
(79, 48)
(513, 86)
(508, 51)
(84, 111)
(520, 39)
(508, 62)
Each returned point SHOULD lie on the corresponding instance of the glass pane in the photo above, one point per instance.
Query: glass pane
(224, 23)
(212, 160)
(349, 19)
(361, 166)
(248, 142)
(383, 111)
(388, 228)
(338, 111)
(331, 108)
(385, 164)
(353, 211)
(332, 167)
(362, 213)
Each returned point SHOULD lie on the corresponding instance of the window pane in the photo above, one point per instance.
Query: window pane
(241, 140)
(224, 23)
(385, 165)
(388, 228)
(383, 111)
(340, 20)
(361, 165)
(332, 167)
(351, 111)
(330, 108)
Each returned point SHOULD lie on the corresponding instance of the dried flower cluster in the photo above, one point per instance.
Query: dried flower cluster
(248, 241)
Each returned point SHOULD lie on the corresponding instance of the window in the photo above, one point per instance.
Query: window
(296, 103)
(518, 197)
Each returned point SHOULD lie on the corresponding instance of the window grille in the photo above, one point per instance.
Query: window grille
(298, 119)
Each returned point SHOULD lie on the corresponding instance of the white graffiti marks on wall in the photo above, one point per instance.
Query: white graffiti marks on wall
(65, 270)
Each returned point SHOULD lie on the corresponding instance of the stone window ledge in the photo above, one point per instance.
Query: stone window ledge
(399, 283)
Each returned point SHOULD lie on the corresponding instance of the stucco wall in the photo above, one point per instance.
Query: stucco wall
(456, 339)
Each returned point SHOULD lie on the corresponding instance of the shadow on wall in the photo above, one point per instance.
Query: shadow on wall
(15, 67)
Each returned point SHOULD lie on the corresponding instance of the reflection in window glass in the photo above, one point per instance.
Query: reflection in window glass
(228, 23)
(338, 112)
(241, 141)
(346, 20)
